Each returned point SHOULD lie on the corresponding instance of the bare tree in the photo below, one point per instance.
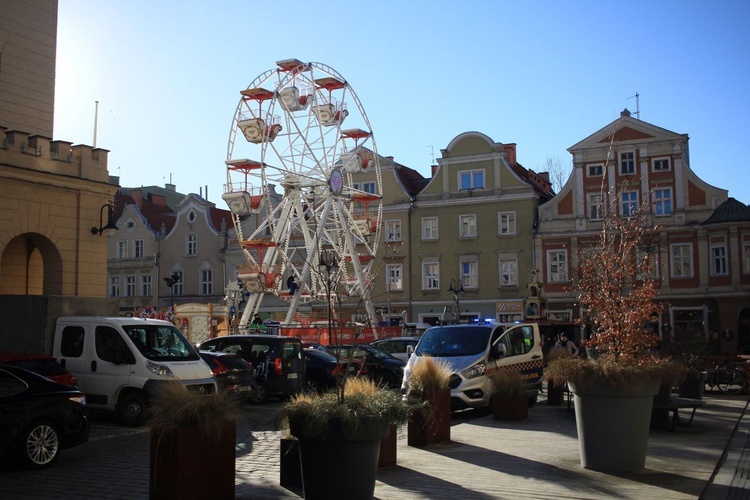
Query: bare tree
(558, 170)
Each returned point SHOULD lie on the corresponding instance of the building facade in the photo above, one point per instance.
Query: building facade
(702, 256)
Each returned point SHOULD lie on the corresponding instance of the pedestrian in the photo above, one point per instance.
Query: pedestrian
(567, 345)
(257, 320)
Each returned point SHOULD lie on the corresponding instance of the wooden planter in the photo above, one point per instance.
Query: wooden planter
(555, 394)
(388, 446)
(182, 458)
(510, 407)
(434, 427)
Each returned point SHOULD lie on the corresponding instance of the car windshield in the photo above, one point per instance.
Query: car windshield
(452, 341)
(161, 342)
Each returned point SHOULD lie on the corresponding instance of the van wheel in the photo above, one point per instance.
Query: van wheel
(132, 409)
(262, 393)
(39, 445)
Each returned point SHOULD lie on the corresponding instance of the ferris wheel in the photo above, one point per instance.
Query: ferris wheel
(303, 182)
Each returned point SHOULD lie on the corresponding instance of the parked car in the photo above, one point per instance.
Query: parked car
(39, 417)
(359, 365)
(381, 366)
(398, 347)
(232, 373)
(42, 364)
(322, 369)
(278, 361)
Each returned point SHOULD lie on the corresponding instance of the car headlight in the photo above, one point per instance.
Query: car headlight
(475, 371)
(160, 370)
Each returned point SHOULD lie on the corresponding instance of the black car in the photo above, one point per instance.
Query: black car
(381, 366)
(39, 417)
(322, 369)
(278, 361)
(232, 373)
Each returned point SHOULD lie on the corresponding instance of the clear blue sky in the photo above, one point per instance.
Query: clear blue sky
(541, 74)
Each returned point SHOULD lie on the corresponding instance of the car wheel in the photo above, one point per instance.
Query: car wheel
(262, 393)
(132, 409)
(40, 445)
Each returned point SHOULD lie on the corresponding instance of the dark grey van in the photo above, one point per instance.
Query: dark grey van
(279, 361)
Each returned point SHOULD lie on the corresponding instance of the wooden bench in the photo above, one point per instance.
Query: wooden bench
(674, 405)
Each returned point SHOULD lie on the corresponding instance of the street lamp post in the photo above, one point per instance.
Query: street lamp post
(233, 294)
(456, 288)
(171, 281)
(328, 267)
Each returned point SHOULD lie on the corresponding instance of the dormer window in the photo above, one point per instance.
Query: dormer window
(471, 179)
(191, 216)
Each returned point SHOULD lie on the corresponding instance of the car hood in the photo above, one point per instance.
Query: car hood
(188, 370)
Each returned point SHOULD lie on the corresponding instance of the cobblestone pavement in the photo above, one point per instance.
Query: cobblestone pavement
(485, 459)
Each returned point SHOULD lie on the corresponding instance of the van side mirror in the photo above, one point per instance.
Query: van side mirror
(409, 350)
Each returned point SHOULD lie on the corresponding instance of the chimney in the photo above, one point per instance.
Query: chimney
(434, 169)
(170, 187)
(510, 150)
(137, 196)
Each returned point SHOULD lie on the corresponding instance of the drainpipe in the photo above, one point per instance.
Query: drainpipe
(412, 201)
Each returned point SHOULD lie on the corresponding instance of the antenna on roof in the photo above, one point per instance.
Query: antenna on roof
(637, 105)
(432, 154)
(96, 119)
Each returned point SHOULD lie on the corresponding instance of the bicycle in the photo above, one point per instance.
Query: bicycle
(727, 379)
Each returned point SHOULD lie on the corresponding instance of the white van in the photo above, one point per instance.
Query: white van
(474, 352)
(118, 362)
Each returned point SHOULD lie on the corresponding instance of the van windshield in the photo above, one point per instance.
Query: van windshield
(161, 343)
(453, 341)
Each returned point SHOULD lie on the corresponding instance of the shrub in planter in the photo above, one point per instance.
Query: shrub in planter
(614, 390)
(431, 423)
(342, 430)
(509, 400)
(185, 429)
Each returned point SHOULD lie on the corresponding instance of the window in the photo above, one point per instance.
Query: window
(627, 162)
(629, 203)
(368, 187)
(393, 230)
(508, 272)
(207, 279)
(506, 223)
(648, 263)
(682, 260)
(146, 285)
(138, 249)
(595, 206)
(595, 170)
(557, 266)
(191, 244)
(471, 179)
(746, 251)
(130, 285)
(394, 277)
(662, 202)
(430, 276)
(114, 286)
(430, 228)
(109, 344)
(470, 272)
(122, 249)
(719, 260)
(660, 164)
(467, 226)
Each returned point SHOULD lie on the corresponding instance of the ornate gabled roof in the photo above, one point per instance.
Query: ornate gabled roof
(156, 214)
(729, 211)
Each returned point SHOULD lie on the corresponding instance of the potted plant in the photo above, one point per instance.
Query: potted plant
(342, 430)
(186, 428)
(509, 399)
(555, 390)
(430, 424)
(614, 391)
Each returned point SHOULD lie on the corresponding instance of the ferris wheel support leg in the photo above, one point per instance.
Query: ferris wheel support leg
(252, 306)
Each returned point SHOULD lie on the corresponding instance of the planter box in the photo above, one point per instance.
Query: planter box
(435, 428)
(510, 407)
(182, 459)
(290, 470)
(388, 447)
(613, 425)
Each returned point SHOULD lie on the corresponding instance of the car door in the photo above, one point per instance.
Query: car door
(523, 352)
(109, 368)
